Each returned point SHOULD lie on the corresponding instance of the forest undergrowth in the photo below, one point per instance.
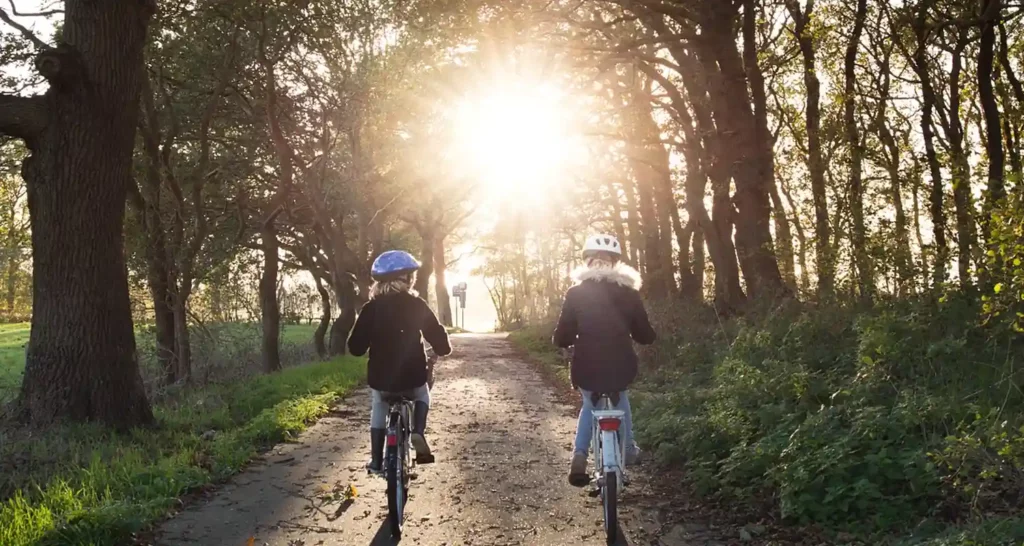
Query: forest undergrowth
(900, 423)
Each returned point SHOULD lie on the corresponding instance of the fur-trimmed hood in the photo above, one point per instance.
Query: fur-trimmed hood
(620, 274)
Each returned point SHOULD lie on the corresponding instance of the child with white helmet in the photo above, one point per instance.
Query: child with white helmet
(390, 327)
(601, 317)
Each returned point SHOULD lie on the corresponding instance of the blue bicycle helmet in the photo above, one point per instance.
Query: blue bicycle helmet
(394, 262)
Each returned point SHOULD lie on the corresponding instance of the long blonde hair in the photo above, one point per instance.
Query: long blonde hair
(393, 286)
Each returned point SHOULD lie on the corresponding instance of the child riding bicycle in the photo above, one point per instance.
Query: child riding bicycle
(391, 326)
(601, 318)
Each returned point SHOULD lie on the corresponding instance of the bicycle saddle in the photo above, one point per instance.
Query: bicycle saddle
(397, 397)
(613, 396)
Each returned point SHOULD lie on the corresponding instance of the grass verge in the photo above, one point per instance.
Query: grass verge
(535, 341)
(86, 485)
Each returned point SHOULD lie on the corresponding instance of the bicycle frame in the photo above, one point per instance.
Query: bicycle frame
(608, 447)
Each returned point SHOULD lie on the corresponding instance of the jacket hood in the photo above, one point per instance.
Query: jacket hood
(620, 274)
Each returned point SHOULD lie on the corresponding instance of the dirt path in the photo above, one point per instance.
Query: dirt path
(502, 442)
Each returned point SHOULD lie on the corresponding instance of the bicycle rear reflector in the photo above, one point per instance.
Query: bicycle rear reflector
(392, 440)
(609, 424)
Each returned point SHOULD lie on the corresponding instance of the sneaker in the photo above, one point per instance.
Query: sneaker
(373, 467)
(632, 455)
(578, 470)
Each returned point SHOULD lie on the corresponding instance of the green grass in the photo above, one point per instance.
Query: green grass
(535, 340)
(14, 337)
(87, 485)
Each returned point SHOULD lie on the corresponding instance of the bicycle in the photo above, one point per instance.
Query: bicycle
(398, 462)
(609, 458)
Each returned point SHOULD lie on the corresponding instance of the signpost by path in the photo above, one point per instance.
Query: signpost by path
(459, 291)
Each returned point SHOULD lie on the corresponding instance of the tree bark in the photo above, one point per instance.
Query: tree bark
(961, 171)
(990, 13)
(936, 195)
(815, 164)
(428, 237)
(325, 318)
(270, 311)
(346, 295)
(749, 167)
(444, 302)
(81, 362)
(865, 273)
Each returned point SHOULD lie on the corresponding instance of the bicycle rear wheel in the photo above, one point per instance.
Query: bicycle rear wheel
(397, 491)
(609, 496)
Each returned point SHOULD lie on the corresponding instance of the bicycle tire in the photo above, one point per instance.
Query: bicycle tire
(394, 493)
(610, 500)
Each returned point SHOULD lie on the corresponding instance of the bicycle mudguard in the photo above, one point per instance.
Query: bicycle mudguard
(614, 397)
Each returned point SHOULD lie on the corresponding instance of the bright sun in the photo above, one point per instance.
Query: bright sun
(519, 140)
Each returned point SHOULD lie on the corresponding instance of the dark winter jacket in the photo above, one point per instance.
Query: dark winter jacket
(390, 326)
(602, 316)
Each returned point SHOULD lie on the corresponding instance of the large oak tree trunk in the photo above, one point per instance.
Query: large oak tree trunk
(427, 262)
(81, 362)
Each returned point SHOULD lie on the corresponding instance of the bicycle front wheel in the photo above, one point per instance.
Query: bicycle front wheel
(609, 494)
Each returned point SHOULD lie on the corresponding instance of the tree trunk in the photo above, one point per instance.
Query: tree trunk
(81, 362)
(815, 165)
(961, 171)
(620, 230)
(183, 347)
(751, 170)
(636, 246)
(865, 274)
(444, 302)
(990, 13)
(1013, 108)
(938, 213)
(163, 311)
(269, 309)
(422, 286)
(325, 318)
(345, 292)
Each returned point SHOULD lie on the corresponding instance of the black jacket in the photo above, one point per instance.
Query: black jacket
(602, 316)
(390, 326)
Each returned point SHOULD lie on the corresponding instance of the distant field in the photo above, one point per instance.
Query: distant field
(14, 337)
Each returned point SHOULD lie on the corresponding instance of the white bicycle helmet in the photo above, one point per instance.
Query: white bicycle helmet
(601, 243)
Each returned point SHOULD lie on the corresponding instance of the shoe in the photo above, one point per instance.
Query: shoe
(578, 476)
(419, 441)
(632, 455)
(377, 438)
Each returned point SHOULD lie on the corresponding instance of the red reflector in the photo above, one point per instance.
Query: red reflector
(609, 424)
(392, 440)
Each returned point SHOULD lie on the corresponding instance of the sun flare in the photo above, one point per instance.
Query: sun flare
(518, 141)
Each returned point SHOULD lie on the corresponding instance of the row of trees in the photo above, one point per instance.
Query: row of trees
(742, 150)
(812, 148)
(185, 149)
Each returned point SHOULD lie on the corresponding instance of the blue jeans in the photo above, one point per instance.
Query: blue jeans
(379, 408)
(585, 426)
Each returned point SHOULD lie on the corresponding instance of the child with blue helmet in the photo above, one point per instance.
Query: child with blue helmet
(392, 326)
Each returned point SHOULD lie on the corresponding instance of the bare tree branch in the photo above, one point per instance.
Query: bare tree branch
(22, 117)
(24, 31)
(47, 13)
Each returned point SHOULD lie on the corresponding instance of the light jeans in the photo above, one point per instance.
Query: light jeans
(585, 426)
(379, 407)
